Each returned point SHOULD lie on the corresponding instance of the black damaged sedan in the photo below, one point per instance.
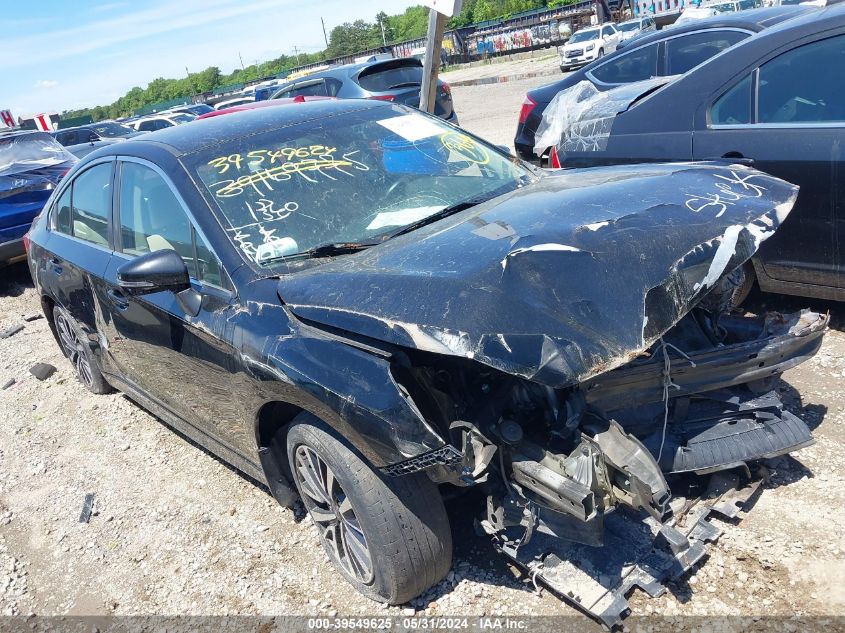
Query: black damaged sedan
(366, 307)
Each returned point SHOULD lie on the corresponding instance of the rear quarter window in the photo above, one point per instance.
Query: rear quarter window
(388, 76)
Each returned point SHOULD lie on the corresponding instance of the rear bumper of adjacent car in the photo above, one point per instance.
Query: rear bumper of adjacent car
(12, 251)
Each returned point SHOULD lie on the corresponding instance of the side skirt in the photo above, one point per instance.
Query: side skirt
(207, 441)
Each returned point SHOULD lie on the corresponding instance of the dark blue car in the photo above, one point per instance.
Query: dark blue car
(394, 80)
(31, 165)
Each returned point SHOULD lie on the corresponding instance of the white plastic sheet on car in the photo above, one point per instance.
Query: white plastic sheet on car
(580, 118)
(20, 153)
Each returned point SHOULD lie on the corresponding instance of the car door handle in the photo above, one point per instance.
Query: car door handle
(118, 299)
(734, 157)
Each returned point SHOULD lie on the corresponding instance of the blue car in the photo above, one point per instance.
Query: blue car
(31, 165)
(395, 80)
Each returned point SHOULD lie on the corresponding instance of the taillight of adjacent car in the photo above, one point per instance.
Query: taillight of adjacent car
(554, 160)
(527, 106)
(383, 97)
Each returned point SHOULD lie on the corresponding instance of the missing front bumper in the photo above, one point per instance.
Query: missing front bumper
(638, 552)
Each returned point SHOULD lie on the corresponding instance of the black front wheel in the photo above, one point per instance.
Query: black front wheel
(388, 536)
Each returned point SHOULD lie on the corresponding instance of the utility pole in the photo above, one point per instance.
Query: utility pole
(242, 61)
(431, 64)
(296, 52)
(190, 81)
(326, 37)
(383, 38)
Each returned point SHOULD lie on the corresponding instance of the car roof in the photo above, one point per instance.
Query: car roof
(751, 19)
(816, 21)
(810, 20)
(202, 133)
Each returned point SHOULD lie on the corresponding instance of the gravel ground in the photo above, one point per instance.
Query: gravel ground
(176, 531)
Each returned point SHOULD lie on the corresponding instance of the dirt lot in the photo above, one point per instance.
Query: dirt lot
(176, 531)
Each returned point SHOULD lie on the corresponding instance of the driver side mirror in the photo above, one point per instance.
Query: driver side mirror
(154, 272)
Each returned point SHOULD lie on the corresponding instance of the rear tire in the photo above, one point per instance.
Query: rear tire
(400, 521)
(78, 352)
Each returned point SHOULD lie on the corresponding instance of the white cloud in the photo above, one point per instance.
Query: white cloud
(42, 84)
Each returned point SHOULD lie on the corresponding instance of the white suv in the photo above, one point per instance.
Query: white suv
(587, 45)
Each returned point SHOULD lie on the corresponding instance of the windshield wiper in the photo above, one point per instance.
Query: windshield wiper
(404, 84)
(439, 215)
(323, 250)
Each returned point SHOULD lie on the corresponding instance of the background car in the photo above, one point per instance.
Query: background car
(102, 130)
(776, 100)
(665, 52)
(394, 80)
(258, 105)
(637, 26)
(196, 109)
(236, 101)
(31, 165)
(587, 45)
(693, 14)
(160, 121)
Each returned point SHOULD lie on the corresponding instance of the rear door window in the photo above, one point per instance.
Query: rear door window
(634, 66)
(804, 85)
(390, 76)
(688, 51)
(84, 208)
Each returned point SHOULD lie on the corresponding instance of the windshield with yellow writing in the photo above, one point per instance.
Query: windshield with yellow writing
(353, 178)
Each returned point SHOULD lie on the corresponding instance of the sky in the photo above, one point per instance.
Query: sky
(67, 54)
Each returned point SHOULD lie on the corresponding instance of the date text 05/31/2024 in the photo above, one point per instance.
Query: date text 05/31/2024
(482, 623)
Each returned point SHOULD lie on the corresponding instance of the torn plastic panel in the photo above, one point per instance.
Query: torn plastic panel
(582, 273)
(580, 118)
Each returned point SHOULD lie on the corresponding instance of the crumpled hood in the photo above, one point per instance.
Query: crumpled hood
(556, 282)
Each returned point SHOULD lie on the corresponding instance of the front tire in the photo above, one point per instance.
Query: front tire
(72, 342)
(388, 536)
(745, 288)
(600, 53)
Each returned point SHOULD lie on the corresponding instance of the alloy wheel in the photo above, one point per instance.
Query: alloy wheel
(73, 349)
(332, 511)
